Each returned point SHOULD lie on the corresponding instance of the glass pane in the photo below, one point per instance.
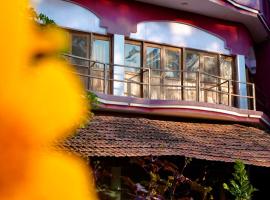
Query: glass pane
(210, 66)
(192, 65)
(210, 83)
(101, 51)
(226, 64)
(132, 56)
(132, 75)
(226, 67)
(153, 60)
(172, 63)
(79, 48)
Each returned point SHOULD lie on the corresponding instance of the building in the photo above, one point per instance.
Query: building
(173, 78)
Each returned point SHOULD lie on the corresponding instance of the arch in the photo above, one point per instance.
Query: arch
(179, 34)
(70, 15)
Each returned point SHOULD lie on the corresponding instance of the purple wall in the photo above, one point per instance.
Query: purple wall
(255, 4)
(122, 17)
(262, 77)
(265, 11)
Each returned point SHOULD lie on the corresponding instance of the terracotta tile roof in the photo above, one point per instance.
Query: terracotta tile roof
(132, 136)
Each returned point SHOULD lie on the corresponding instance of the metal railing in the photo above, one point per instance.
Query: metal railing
(150, 83)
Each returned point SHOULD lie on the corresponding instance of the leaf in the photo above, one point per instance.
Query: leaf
(225, 186)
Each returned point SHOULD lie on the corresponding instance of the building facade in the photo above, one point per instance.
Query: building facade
(173, 78)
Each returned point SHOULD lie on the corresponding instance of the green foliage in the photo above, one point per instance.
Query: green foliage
(45, 19)
(40, 18)
(93, 101)
(92, 98)
(240, 186)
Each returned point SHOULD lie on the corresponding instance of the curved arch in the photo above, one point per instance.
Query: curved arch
(179, 34)
(71, 15)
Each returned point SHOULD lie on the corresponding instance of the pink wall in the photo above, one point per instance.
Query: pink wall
(122, 17)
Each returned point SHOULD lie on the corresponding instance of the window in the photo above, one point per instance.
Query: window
(172, 63)
(133, 56)
(101, 49)
(80, 48)
(133, 76)
(153, 59)
(226, 72)
(165, 65)
(214, 70)
(95, 48)
(154, 71)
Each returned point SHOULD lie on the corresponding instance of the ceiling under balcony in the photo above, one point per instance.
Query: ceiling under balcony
(219, 9)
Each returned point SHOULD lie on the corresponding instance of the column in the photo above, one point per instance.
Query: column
(118, 59)
(241, 76)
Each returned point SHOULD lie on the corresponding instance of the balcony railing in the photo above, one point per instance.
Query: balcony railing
(163, 84)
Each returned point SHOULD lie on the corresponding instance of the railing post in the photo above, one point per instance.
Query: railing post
(104, 79)
(149, 83)
(128, 88)
(217, 84)
(229, 93)
(254, 96)
(88, 79)
(198, 85)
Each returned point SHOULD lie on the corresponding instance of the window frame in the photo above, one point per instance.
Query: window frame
(137, 43)
(182, 52)
(90, 39)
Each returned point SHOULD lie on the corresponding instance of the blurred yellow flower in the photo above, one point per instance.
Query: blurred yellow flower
(40, 101)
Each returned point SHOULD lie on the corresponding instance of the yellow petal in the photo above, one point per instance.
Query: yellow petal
(55, 176)
(46, 102)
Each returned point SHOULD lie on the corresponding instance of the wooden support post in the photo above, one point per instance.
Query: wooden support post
(198, 85)
(88, 79)
(254, 96)
(149, 83)
(104, 79)
(229, 93)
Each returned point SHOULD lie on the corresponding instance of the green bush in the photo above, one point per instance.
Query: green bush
(240, 186)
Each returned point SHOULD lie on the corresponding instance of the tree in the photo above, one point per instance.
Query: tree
(156, 178)
(240, 186)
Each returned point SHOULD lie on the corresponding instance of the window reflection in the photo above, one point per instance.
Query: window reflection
(132, 75)
(226, 64)
(192, 65)
(172, 63)
(210, 67)
(132, 56)
(101, 51)
(226, 67)
(79, 48)
(153, 59)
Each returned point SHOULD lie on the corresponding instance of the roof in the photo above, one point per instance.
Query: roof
(119, 136)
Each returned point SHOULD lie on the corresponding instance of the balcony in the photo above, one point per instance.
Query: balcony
(157, 84)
